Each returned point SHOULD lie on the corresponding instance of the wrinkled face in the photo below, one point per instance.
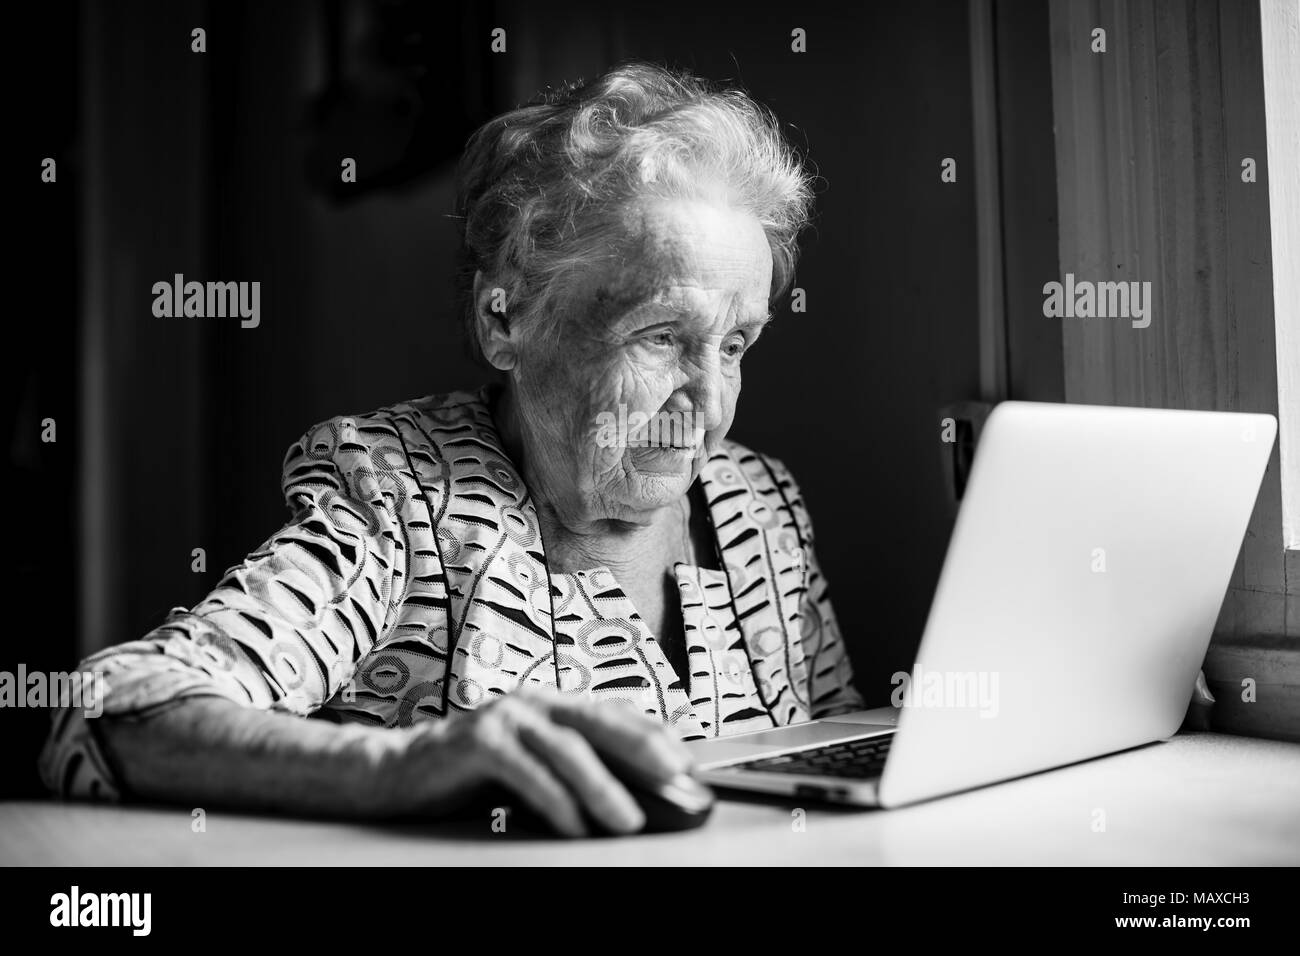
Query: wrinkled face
(619, 409)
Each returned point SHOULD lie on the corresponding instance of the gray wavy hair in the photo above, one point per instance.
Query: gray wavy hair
(540, 188)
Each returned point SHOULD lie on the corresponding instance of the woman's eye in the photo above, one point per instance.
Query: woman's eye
(734, 348)
(663, 337)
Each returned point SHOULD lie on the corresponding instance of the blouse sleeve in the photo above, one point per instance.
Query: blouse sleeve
(830, 671)
(283, 630)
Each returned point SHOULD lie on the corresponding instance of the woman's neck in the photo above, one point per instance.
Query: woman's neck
(616, 545)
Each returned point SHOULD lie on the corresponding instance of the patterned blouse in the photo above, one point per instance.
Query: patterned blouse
(411, 583)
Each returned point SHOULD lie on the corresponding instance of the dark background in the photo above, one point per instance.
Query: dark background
(224, 166)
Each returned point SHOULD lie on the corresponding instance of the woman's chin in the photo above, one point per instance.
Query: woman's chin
(660, 482)
(667, 462)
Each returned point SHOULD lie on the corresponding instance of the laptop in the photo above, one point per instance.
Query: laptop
(1082, 582)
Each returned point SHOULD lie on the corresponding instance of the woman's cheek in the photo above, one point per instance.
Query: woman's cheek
(604, 389)
(643, 387)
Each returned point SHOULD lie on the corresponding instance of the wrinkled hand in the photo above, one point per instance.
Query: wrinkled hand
(544, 746)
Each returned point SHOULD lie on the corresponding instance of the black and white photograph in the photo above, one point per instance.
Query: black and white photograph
(385, 493)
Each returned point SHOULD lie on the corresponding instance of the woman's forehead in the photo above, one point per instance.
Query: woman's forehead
(676, 235)
(678, 255)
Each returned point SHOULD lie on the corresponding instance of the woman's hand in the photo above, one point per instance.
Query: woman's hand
(544, 746)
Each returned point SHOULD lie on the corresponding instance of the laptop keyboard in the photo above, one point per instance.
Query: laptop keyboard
(861, 759)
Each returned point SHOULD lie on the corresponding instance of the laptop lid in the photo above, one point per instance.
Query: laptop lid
(1086, 570)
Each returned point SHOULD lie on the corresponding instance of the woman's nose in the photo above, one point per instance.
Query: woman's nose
(705, 393)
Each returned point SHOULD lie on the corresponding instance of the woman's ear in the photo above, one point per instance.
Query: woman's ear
(496, 338)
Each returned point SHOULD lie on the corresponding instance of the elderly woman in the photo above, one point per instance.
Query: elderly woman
(498, 587)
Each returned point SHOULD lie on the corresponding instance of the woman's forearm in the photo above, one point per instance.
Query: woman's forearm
(210, 751)
(548, 748)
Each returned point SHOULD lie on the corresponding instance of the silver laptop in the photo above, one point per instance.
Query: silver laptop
(1082, 582)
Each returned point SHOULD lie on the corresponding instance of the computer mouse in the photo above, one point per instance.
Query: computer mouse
(681, 803)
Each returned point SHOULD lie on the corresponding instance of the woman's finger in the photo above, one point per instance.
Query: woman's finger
(623, 734)
(571, 758)
(514, 765)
